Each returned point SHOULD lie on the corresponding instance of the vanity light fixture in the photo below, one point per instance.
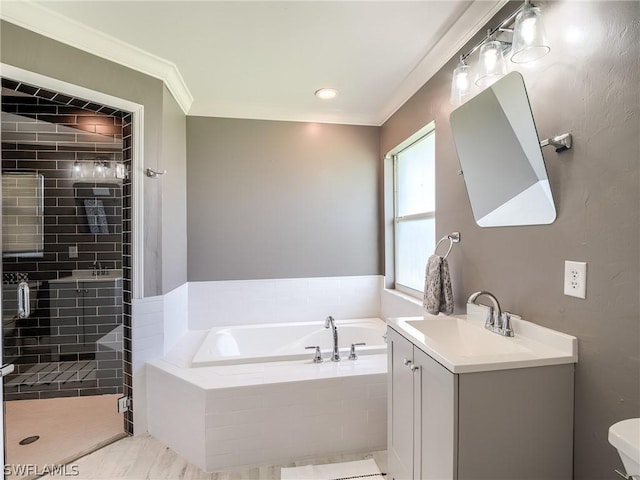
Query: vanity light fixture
(326, 93)
(99, 169)
(521, 36)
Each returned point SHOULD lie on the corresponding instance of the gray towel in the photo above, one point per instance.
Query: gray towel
(96, 217)
(438, 295)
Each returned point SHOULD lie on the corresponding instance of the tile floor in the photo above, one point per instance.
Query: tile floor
(145, 458)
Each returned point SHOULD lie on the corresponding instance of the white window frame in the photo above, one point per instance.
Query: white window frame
(396, 219)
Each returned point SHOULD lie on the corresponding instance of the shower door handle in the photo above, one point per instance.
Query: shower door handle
(24, 308)
(6, 369)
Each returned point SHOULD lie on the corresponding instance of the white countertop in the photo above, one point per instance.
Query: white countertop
(462, 345)
(88, 276)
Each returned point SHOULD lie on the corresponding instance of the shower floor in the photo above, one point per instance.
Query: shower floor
(68, 428)
(54, 372)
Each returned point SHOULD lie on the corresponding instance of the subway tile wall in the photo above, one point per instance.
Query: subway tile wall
(50, 133)
(242, 302)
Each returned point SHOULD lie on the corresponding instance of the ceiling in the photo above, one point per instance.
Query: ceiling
(265, 59)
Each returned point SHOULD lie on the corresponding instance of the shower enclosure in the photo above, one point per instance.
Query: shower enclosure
(65, 213)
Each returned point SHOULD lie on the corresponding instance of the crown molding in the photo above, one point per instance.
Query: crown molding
(456, 37)
(51, 24)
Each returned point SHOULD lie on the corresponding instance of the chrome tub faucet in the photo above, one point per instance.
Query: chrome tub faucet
(329, 322)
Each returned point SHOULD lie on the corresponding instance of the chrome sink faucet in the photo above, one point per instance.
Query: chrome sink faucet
(496, 321)
(329, 322)
(97, 268)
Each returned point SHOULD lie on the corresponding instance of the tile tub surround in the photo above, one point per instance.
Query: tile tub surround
(241, 415)
(242, 302)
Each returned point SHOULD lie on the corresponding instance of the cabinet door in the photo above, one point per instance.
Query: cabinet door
(435, 411)
(400, 429)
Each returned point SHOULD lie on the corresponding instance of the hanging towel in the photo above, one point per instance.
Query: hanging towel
(96, 217)
(438, 295)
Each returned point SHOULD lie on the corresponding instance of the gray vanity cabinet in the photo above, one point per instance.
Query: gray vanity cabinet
(499, 424)
(421, 403)
(83, 314)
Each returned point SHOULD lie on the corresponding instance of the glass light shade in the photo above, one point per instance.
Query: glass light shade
(529, 36)
(461, 84)
(491, 66)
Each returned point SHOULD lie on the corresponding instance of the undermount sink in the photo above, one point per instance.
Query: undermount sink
(461, 343)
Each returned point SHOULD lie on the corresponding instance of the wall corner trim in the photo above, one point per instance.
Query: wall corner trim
(43, 21)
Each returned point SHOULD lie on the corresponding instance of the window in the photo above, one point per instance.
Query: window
(414, 211)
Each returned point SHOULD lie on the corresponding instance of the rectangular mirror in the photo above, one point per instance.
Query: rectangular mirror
(500, 156)
(22, 214)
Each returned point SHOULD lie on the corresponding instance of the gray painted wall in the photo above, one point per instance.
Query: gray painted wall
(174, 194)
(269, 199)
(591, 89)
(30, 51)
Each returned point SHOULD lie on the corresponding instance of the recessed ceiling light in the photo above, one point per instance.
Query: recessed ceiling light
(326, 93)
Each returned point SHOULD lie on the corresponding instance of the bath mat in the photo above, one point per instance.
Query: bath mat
(359, 470)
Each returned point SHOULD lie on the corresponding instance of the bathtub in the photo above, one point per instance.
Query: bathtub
(250, 395)
(287, 341)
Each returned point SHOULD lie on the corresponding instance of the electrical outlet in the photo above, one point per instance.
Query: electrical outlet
(575, 279)
(73, 251)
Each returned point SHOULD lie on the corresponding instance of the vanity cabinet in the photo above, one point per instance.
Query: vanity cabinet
(83, 315)
(499, 424)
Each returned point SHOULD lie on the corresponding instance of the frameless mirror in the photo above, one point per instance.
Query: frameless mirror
(22, 214)
(500, 156)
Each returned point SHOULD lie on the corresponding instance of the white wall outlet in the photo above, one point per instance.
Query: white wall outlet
(73, 251)
(575, 279)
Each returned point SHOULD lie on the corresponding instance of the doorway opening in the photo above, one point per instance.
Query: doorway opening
(66, 272)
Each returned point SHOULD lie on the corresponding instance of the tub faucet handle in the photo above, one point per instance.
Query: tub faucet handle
(352, 353)
(317, 356)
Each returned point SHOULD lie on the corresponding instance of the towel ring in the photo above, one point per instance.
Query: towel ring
(453, 238)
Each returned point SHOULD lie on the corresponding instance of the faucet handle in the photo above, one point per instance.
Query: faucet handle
(489, 321)
(352, 353)
(317, 357)
(505, 324)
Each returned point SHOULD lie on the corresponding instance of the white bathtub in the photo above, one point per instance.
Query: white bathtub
(287, 341)
(258, 405)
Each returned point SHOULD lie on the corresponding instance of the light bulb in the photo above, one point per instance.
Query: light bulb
(326, 93)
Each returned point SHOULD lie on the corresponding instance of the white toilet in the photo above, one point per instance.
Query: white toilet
(625, 436)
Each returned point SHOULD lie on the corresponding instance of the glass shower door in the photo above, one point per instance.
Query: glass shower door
(62, 278)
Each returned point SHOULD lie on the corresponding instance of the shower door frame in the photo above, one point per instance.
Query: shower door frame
(137, 184)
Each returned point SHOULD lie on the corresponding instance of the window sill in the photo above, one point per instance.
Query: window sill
(404, 296)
